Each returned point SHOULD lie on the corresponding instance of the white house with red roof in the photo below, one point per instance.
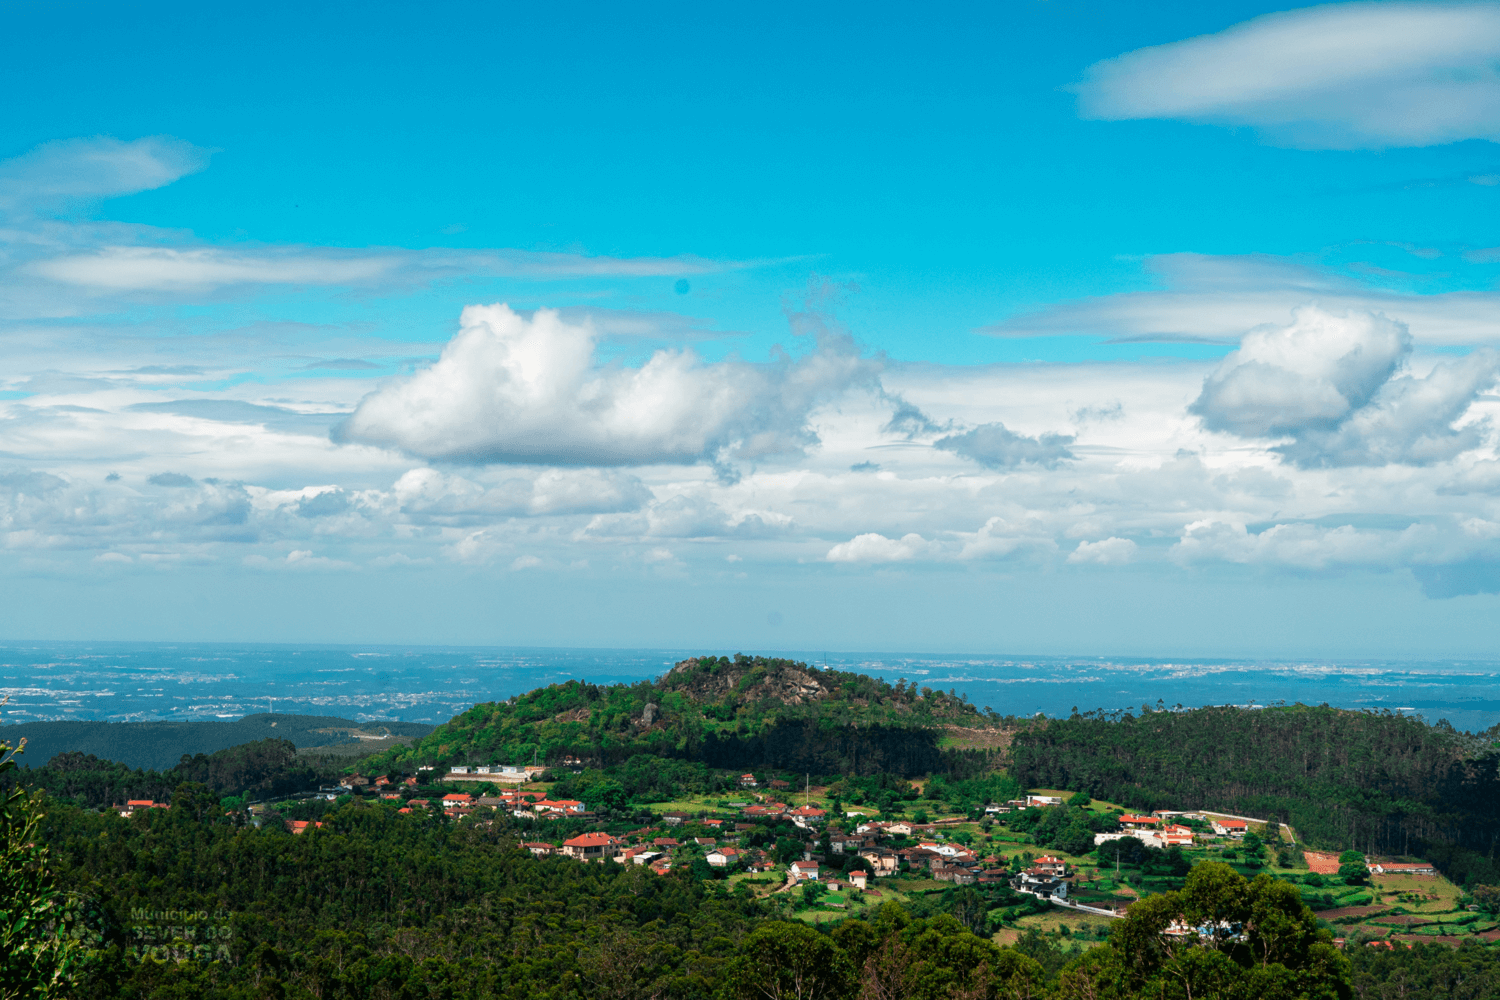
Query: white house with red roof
(804, 871)
(1130, 822)
(1230, 827)
(589, 847)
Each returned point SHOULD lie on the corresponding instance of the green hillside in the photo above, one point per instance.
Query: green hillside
(725, 712)
(1374, 782)
(161, 745)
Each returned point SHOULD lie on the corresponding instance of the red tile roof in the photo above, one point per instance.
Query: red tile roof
(590, 840)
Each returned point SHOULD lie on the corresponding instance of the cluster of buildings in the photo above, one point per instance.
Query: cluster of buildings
(643, 847)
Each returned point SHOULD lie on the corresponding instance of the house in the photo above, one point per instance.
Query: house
(384, 779)
(457, 800)
(540, 850)
(1230, 827)
(723, 857)
(1395, 868)
(353, 781)
(859, 878)
(900, 829)
(637, 855)
(1043, 800)
(954, 874)
(778, 784)
(1041, 884)
(589, 846)
(1179, 835)
(845, 843)
(410, 782)
(665, 842)
(676, 818)
(1051, 865)
(705, 841)
(300, 826)
(946, 850)
(404, 811)
(457, 769)
(570, 806)
(804, 871)
(882, 859)
(1130, 822)
(662, 867)
(713, 824)
(808, 815)
(419, 803)
(484, 769)
(390, 796)
(747, 781)
(995, 809)
(133, 804)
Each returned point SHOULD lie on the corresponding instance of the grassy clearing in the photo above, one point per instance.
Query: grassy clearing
(1081, 927)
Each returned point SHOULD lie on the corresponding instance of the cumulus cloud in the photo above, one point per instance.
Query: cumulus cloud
(876, 548)
(1109, 552)
(1312, 372)
(1340, 76)
(1007, 537)
(1411, 421)
(1329, 382)
(513, 389)
(995, 446)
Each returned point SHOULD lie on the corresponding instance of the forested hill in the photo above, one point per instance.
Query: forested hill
(161, 745)
(726, 712)
(1371, 781)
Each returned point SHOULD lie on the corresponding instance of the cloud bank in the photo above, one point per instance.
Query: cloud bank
(1341, 76)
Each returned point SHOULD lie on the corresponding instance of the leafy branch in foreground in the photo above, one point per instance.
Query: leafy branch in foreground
(36, 959)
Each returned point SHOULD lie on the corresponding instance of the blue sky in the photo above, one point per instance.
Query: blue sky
(1052, 327)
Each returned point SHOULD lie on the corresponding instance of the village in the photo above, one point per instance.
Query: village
(821, 864)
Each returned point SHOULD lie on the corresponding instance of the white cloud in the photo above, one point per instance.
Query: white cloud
(1327, 382)
(524, 562)
(995, 446)
(876, 548)
(1349, 75)
(685, 516)
(57, 173)
(428, 495)
(1314, 371)
(1108, 552)
(1413, 421)
(1004, 537)
(512, 389)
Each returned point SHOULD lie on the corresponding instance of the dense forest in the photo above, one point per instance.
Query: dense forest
(260, 769)
(160, 745)
(1378, 782)
(190, 903)
(739, 712)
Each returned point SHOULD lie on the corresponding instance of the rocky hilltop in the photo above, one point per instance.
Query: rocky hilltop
(711, 708)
